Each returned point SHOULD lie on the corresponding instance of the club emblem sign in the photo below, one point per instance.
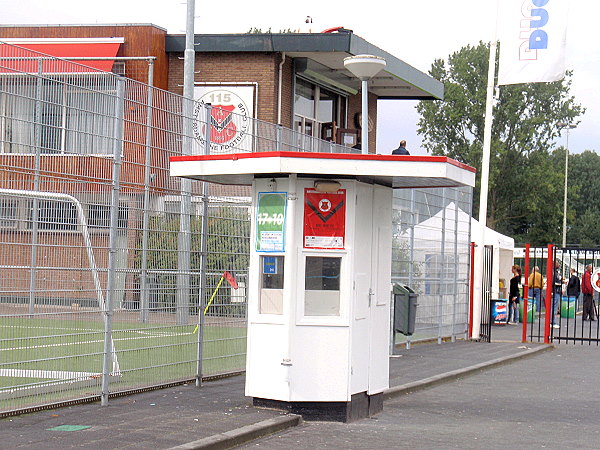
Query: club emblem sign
(229, 121)
(596, 280)
(324, 219)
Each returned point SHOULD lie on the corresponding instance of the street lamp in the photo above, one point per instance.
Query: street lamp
(564, 234)
(364, 67)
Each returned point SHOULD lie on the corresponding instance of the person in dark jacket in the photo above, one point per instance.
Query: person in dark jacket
(514, 295)
(401, 150)
(573, 285)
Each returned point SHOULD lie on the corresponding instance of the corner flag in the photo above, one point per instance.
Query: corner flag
(230, 279)
(532, 40)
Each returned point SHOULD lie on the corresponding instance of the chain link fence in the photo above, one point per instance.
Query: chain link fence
(112, 273)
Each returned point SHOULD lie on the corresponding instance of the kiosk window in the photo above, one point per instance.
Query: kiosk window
(271, 285)
(322, 286)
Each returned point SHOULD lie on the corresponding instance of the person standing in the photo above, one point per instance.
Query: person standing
(535, 283)
(401, 150)
(514, 295)
(573, 285)
(588, 293)
(557, 288)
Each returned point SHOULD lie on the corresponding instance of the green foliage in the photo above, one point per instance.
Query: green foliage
(584, 185)
(227, 248)
(228, 241)
(525, 187)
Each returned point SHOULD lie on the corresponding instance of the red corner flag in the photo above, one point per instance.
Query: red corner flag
(230, 279)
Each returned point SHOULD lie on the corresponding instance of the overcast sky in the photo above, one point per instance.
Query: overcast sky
(415, 31)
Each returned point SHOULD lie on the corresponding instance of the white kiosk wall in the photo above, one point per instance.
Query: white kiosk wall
(318, 306)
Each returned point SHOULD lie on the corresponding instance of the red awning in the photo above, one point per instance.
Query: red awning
(25, 59)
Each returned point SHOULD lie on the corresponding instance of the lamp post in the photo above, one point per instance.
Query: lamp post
(364, 67)
(564, 233)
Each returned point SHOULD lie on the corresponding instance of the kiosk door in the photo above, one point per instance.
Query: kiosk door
(371, 290)
(381, 270)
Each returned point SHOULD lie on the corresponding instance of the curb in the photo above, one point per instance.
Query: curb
(454, 374)
(245, 434)
(264, 428)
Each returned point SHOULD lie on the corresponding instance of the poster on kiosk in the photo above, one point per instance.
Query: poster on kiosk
(324, 219)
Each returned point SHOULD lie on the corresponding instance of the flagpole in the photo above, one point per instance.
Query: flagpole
(485, 178)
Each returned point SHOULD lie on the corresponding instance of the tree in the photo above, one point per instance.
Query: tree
(584, 185)
(523, 131)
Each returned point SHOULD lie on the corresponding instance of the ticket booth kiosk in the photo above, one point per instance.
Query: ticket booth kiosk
(320, 267)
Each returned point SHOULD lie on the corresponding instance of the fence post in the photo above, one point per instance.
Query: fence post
(184, 239)
(203, 254)
(453, 337)
(471, 286)
(549, 292)
(442, 272)
(109, 348)
(411, 263)
(144, 293)
(36, 187)
(524, 318)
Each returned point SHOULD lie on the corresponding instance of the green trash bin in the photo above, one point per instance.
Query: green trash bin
(567, 307)
(531, 310)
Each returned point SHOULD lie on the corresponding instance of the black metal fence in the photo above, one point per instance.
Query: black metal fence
(558, 310)
(485, 331)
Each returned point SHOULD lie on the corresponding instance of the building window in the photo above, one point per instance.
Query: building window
(57, 215)
(99, 216)
(8, 213)
(54, 215)
(66, 114)
(322, 286)
(317, 109)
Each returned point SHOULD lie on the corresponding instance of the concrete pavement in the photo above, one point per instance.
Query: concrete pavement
(549, 401)
(218, 415)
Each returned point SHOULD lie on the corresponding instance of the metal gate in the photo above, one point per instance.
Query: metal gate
(485, 332)
(576, 312)
(556, 312)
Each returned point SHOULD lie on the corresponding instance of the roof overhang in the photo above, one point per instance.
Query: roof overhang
(386, 170)
(398, 80)
(12, 59)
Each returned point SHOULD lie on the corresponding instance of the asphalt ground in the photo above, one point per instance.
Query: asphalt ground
(218, 415)
(548, 401)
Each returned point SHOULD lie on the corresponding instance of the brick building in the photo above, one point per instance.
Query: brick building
(297, 80)
(294, 80)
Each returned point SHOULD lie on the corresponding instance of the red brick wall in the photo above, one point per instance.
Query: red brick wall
(260, 68)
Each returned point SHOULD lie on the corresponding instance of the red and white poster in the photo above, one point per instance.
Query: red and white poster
(324, 219)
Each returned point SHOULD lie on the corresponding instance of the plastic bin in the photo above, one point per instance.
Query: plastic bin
(405, 309)
(567, 307)
(531, 310)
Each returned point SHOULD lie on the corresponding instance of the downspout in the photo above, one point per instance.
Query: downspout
(279, 94)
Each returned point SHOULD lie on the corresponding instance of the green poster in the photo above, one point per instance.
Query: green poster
(270, 222)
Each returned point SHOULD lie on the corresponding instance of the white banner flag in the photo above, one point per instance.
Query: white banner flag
(532, 40)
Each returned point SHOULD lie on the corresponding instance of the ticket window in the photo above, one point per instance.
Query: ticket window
(271, 285)
(322, 286)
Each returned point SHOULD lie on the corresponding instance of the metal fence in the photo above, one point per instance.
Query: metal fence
(107, 263)
(100, 267)
(561, 303)
(431, 255)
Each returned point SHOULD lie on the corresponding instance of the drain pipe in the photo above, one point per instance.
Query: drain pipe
(279, 94)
